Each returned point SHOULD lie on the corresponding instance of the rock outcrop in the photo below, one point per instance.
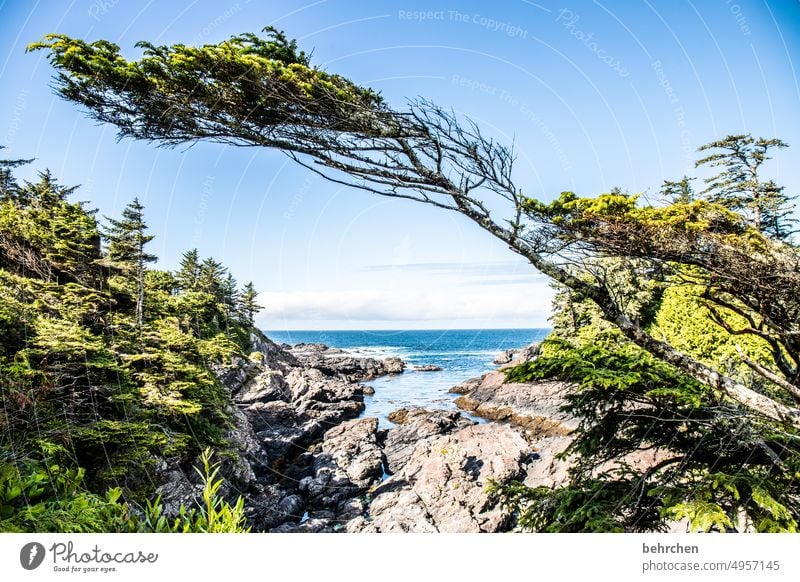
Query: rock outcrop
(533, 406)
(332, 361)
(416, 424)
(427, 368)
(307, 463)
(441, 487)
(304, 458)
(517, 356)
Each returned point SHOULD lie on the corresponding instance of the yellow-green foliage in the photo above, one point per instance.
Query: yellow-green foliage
(257, 75)
(683, 321)
(92, 398)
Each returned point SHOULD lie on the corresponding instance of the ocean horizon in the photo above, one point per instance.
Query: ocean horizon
(461, 353)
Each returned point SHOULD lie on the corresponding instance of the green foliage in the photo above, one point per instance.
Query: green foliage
(46, 237)
(40, 497)
(593, 507)
(738, 186)
(712, 466)
(248, 303)
(683, 320)
(257, 75)
(680, 192)
(213, 513)
(96, 390)
(36, 497)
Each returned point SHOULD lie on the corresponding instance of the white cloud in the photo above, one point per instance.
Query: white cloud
(527, 304)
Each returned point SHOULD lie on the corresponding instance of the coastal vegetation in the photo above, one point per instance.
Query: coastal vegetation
(105, 364)
(678, 322)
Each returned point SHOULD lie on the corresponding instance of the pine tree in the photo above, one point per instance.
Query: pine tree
(248, 303)
(126, 249)
(8, 184)
(680, 192)
(46, 193)
(777, 212)
(212, 273)
(188, 275)
(738, 185)
(230, 298)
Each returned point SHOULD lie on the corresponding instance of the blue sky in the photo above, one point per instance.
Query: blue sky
(594, 95)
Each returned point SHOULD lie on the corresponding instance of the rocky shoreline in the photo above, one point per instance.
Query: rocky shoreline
(307, 461)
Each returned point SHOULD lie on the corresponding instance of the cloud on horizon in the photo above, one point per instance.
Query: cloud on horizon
(505, 303)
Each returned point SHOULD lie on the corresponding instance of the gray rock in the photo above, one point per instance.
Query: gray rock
(414, 425)
(504, 357)
(394, 365)
(442, 486)
(534, 406)
(467, 385)
(333, 362)
(427, 368)
(526, 354)
(354, 448)
(350, 463)
(269, 385)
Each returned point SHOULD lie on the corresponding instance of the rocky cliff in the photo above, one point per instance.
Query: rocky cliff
(306, 461)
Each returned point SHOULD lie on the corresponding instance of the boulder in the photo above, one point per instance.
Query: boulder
(350, 462)
(393, 366)
(517, 355)
(442, 486)
(467, 385)
(416, 424)
(526, 354)
(504, 357)
(427, 368)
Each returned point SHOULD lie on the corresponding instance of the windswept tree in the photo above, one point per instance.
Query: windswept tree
(273, 97)
(738, 185)
(127, 239)
(607, 251)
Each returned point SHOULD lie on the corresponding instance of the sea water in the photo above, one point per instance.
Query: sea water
(462, 354)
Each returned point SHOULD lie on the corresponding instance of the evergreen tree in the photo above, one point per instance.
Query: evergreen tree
(739, 187)
(212, 273)
(230, 298)
(776, 217)
(680, 192)
(188, 275)
(126, 249)
(8, 185)
(46, 193)
(248, 303)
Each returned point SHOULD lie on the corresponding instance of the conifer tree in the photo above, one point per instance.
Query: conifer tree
(126, 249)
(188, 275)
(230, 298)
(211, 276)
(738, 185)
(8, 184)
(680, 192)
(248, 303)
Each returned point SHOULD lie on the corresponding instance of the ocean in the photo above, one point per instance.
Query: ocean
(462, 354)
